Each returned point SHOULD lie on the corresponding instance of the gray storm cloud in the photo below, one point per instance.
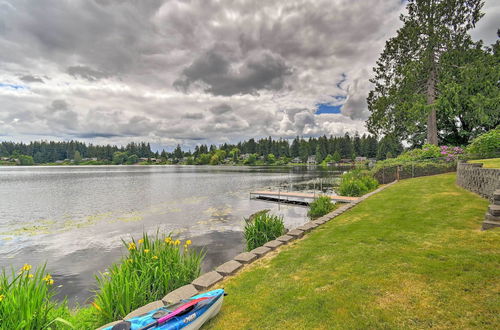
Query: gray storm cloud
(190, 71)
(221, 76)
(31, 79)
(84, 72)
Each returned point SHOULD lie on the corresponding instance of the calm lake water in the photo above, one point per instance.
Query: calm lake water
(73, 218)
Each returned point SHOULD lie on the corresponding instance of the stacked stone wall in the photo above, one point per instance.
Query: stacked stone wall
(475, 178)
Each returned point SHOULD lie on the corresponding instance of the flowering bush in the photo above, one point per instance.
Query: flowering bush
(451, 154)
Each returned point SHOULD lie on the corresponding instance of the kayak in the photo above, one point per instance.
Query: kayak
(189, 314)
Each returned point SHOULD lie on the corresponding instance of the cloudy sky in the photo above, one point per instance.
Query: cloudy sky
(189, 72)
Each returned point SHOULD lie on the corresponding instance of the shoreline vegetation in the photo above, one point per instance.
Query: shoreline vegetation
(411, 256)
(384, 225)
(154, 266)
(322, 150)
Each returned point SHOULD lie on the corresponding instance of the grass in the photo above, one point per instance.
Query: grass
(261, 228)
(488, 163)
(411, 256)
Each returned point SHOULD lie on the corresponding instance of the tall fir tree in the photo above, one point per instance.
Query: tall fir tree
(409, 69)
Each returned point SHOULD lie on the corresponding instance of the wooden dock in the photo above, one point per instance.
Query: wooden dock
(296, 197)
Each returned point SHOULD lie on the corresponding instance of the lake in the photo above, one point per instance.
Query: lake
(74, 217)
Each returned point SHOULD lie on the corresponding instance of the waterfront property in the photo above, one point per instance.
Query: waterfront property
(411, 256)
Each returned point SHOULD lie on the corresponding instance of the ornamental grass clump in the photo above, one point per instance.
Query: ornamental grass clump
(320, 206)
(261, 228)
(25, 300)
(357, 183)
(154, 266)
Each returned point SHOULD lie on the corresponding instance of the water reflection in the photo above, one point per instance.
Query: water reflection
(74, 218)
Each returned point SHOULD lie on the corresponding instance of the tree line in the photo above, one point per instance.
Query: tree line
(323, 148)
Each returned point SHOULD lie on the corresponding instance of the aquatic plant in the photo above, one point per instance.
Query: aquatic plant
(25, 300)
(261, 228)
(320, 206)
(153, 267)
(356, 183)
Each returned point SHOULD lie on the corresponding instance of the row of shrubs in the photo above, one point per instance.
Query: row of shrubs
(153, 266)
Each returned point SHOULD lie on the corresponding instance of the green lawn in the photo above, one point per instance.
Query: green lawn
(412, 256)
(488, 163)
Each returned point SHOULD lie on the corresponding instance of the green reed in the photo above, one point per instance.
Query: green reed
(261, 228)
(320, 206)
(25, 301)
(154, 266)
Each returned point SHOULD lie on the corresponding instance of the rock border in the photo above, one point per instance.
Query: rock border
(229, 268)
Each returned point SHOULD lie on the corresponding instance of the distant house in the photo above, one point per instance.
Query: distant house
(143, 159)
(296, 160)
(360, 159)
(346, 160)
(311, 160)
(59, 161)
(5, 158)
(158, 160)
(245, 156)
(152, 159)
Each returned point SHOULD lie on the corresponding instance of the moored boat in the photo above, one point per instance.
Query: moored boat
(189, 314)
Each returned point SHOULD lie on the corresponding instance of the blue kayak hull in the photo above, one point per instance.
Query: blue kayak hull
(194, 319)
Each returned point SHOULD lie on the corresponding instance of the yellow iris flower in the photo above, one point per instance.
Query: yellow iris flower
(25, 268)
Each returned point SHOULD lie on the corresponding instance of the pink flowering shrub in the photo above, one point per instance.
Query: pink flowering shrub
(430, 152)
(451, 154)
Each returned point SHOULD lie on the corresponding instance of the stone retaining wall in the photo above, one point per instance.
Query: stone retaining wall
(229, 268)
(475, 178)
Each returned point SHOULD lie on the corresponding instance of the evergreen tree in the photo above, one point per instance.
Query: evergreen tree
(178, 152)
(356, 144)
(409, 69)
(469, 101)
(345, 146)
(294, 149)
(336, 156)
(303, 150)
(389, 144)
(77, 158)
